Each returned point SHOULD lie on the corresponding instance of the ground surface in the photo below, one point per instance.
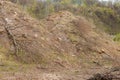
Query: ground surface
(62, 46)
(38, 73)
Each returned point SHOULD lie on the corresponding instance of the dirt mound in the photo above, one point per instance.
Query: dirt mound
(19, 33)
(62, 38)
(76, 36)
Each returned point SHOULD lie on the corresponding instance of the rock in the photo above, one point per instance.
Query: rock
(35, 35)
(1, 31)
(9, 21)
(118, 49)
(101, 51)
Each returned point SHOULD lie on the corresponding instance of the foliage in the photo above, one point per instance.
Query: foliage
(40, 9)
(117, 37)
(106, 12)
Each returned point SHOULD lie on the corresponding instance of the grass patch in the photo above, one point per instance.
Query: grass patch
(73, 38)
(117, 37)
(7, 63)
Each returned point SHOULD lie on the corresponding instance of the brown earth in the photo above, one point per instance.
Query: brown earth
(62, 43)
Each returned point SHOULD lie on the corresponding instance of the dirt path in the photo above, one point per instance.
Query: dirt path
(52, 74)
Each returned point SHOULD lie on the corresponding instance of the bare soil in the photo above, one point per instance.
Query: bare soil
(62, 46)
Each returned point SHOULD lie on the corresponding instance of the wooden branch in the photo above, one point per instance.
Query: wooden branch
(15, 28)
(11, 38)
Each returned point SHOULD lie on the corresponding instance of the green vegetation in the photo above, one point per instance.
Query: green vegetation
(107, 13)
(5, 64)
(117, 37)
(109, 18)
(40, 9)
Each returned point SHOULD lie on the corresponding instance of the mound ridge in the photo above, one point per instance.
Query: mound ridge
(78, 36)
(61, 38)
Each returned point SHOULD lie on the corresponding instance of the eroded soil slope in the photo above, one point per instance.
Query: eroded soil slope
(74, 35)
(64, 46)
(61, 37)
